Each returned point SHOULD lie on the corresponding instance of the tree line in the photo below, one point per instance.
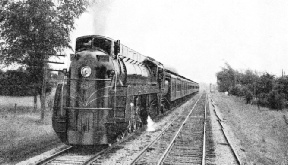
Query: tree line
(263, 89)
(18, 83)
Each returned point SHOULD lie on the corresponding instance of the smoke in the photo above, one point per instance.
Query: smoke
(93, 21)
(100, 11)
(150, 125)
(171, 68)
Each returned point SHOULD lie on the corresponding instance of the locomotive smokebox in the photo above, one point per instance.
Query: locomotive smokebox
(91, 78)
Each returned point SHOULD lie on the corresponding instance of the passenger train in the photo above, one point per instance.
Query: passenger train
(110, 89)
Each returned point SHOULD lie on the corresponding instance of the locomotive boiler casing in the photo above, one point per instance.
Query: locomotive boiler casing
(89, 98)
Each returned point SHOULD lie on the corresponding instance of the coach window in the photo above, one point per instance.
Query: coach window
(178, 86)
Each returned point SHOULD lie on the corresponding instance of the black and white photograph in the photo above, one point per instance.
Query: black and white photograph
(144, 82)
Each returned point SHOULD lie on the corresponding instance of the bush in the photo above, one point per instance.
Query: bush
(248, 96)
(263, 100)
(18, 83)
(276, 100)
(237, 90)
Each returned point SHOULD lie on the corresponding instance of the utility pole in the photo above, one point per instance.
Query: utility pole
(43, 95)
(44, 82)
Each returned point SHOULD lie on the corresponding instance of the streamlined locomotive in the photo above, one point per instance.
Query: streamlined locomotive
(110, 90)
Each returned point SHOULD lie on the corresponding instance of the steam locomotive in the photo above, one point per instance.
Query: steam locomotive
(110, 90)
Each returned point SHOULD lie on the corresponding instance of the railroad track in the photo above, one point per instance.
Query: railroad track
(75, 156)
(72, 155)
(224, 132)
(67, 155)
(176, 144)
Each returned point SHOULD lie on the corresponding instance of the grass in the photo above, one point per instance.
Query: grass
(10, 101)
(262, 132)
(22, 129)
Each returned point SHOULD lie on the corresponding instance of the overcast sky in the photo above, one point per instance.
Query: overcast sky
(197, 37)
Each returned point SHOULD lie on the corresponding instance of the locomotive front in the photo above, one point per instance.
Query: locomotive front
(82, 103)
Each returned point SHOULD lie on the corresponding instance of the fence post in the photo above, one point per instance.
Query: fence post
(15, 108)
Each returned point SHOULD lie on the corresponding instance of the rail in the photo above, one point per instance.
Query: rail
(174, 138)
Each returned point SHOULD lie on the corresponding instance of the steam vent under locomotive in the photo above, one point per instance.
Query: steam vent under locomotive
(110, 90)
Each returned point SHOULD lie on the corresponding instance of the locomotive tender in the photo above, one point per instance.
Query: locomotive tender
(111, 89)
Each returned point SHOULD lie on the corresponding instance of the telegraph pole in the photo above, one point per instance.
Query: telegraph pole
(44, 83)
(43, 93)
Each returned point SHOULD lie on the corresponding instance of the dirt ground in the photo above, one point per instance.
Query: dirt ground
(263, 133)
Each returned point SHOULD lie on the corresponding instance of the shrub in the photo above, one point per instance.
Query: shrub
(237, 90)
(276, 100)
(263, 99)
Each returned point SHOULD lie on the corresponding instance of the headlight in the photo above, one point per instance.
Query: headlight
(86, 71)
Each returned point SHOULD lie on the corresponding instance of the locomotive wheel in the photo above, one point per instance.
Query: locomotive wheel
(132, 127)
(135, 126)
(165, 105)
(139, 125)
(153, 110)
(120, 137)
(143, 116)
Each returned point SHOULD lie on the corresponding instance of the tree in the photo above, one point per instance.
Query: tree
(265, 84)
(281, 85)
(226, 78)
(34, 29)
(249, 79)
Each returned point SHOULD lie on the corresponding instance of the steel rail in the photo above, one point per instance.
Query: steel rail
(51, 157)
(204, 133)
(98, 154)
(153, 142)
(225, 136)
(172, 142)
(44, 157)
(157, 138)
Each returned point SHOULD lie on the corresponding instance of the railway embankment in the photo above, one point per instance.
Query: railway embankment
(260, 134)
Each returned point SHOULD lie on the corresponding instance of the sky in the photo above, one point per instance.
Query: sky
(196, 37)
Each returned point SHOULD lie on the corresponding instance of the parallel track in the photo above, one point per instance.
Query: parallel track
(171, 147)
(188, 145)
(233, 151)
(74, 156)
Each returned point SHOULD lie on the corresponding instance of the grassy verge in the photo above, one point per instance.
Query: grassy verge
(22, 134)
(263, 132)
